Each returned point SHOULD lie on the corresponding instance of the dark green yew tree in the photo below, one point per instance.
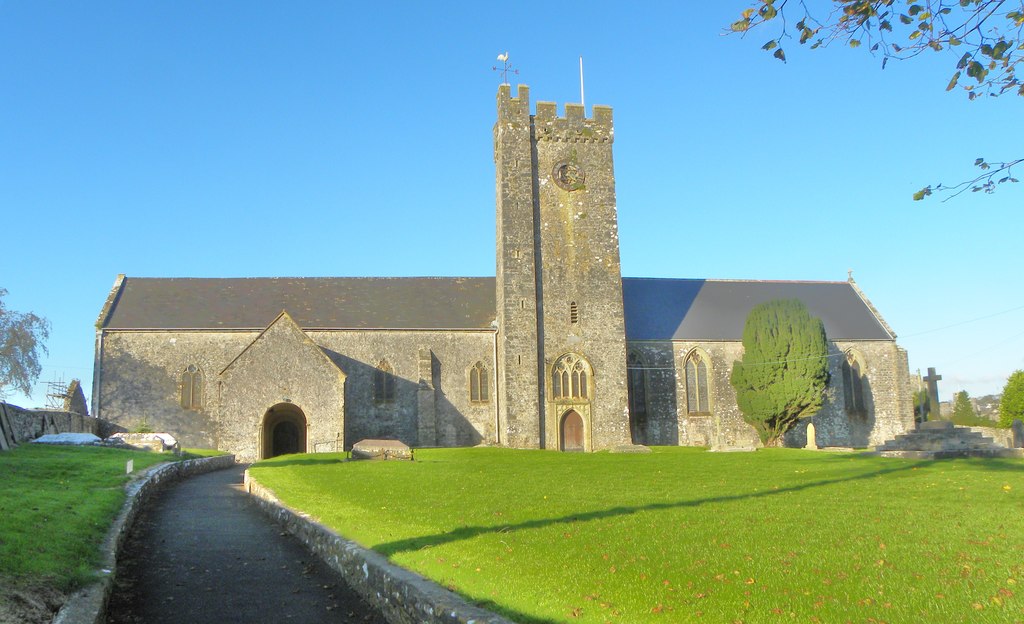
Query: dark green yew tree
(784, 370)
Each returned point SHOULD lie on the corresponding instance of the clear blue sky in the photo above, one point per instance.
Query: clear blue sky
(227, 139)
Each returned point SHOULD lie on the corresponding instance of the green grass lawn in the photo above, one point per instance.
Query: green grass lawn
(197, 453)
(685, 535)
(56, 505)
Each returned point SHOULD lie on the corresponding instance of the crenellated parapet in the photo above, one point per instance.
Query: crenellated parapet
(513, 109)
(574, 127)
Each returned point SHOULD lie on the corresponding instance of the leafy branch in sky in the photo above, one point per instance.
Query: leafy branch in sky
(986, 37)
(22, 339)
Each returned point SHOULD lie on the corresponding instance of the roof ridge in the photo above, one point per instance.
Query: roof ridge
(735, 280)
(323, 277)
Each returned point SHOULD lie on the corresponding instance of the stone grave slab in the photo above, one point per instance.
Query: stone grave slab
(631, 448)
(381, 449)
(159, 442)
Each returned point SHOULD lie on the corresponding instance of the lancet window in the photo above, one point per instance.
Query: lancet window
(636, 384)
(192, 388)
(478, 384)
(853, 383)
(384, 382)
(698, 396)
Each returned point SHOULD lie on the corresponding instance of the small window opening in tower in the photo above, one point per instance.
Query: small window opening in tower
(574, 313)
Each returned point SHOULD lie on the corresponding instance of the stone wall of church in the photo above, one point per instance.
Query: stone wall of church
(140, 384)
(659, 425)
(886, 392)
(580, 278)
(457, 421)
(517, 298)
(888, 409)
(139, 379)
(668, 420)
(281, 371)
(724, 427)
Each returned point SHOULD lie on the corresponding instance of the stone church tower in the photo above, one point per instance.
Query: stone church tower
(561, 351)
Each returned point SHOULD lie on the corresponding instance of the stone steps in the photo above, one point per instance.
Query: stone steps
(942, 439)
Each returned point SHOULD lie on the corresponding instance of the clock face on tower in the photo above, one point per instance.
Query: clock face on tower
(569, 176)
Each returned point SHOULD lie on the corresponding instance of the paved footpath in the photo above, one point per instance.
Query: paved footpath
(200, 552)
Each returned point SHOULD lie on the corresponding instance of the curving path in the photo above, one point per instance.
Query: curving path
(201, 552)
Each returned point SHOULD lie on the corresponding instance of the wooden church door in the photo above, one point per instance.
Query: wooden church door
(572, 432)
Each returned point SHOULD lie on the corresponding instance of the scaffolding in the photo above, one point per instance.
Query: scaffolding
(57, 396)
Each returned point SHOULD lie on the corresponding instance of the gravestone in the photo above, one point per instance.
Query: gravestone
(381, 449)
(812, 441)
(1017, 427)
(6, 432)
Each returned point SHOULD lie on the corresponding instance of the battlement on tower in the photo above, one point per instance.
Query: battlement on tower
(574, 127)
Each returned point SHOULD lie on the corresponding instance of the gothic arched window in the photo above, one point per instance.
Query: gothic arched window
(569, 377)
(698, 396)
(478, 383)
(636, 384)
(192, 388)
(384, 382)
(853, 383)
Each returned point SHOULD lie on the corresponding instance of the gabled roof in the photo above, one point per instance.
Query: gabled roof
(693, 309)
(286, 324)
(314, 303)
(655, 309)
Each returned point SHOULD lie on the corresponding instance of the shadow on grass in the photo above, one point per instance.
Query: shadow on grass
(469, 532)
(302, 459)
(515, 616)
(994, 464)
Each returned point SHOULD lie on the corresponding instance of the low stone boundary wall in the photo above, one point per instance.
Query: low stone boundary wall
(403, 596)
(89, 606)
(19, 425)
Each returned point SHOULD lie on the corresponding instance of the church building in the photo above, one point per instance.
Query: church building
(557, 351)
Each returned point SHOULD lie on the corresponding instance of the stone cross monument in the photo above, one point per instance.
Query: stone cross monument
(933, 391)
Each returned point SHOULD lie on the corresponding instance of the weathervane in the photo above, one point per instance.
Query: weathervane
(505, 69)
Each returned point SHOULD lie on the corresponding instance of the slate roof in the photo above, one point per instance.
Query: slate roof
(694, 309)
(655, 309)
(313, 302)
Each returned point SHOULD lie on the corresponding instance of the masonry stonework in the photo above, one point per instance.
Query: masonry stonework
(548, 354)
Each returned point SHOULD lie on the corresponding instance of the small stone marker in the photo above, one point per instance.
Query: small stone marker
(129, 467)
(1017, 427)
(812, 440)
(381, 449)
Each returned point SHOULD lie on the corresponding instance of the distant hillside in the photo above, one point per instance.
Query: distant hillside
(986, 407)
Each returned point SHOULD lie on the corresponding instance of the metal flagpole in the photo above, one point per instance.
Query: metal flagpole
(583, 102)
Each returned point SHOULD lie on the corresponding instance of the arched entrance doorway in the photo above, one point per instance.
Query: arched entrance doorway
(284, 431)
(571, 432)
